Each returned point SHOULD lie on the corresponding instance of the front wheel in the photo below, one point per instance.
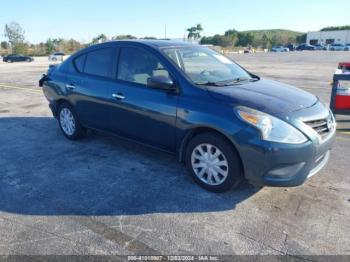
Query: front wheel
(69, 122)
(213, 162)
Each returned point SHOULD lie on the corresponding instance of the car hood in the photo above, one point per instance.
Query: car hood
(265, 95)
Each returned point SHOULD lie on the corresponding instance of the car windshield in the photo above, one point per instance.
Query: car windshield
(206, 67)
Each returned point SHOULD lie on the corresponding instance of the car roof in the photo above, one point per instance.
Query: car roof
(155, 44)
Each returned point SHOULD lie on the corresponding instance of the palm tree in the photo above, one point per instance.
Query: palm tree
(194, 32)
(99, 39)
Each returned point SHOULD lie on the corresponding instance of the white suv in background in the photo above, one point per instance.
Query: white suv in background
(58, 56)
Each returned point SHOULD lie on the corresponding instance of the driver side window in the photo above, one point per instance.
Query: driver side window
(137, 65)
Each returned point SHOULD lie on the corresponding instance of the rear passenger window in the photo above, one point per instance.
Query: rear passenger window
(100, 62)
(79, 63)
(137, 65)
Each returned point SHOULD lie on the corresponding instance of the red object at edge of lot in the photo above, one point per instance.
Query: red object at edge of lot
(342, 98)
(342, 102)
(344, 65)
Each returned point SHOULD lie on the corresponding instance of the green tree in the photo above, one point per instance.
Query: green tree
(123, 37)
(20, 48)
(15, 34)
(99, 39)
(245, 39)
(150, 38)
(194, 32)
(71, 46)
(221, 40)
(218, 40)
(206, 40)
(50, 46)
(274, 41)
(57, 42)
(232, 35)
(265, 41)
(301, 39)
(231, 32)
(336, 28)
(4, 45)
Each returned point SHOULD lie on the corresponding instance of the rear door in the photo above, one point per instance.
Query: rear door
(89, 88)
(138, 111)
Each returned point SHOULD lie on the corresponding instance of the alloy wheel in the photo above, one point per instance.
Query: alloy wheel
(67, 121)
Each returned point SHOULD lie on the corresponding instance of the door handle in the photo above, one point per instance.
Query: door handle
(70, 86)
(118, 96)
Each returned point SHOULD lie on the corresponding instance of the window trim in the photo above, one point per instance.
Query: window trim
(112, 73)
(139, 85)
(75, 66)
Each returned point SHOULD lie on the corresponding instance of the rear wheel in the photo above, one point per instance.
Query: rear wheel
(213, 162)
(9, 61)
(69, 122)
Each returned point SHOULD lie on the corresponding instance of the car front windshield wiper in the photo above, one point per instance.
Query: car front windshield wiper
(228, 82)
(209, 83)
(238, 80)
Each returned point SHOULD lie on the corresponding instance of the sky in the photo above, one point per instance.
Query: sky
(85, 19)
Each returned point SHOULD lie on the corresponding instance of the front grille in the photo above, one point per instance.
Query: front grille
(322, 126)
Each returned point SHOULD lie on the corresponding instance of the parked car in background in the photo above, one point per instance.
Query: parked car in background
(58, 56)
(305, 47)
(339, 47)
(225, 123)
(278, 49)
(248, 50)
(17, 58)
(320, 47)
(291, 47)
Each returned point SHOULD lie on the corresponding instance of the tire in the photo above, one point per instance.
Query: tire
(229, 176)
(69, 122)
(29, 60)
(9, 61)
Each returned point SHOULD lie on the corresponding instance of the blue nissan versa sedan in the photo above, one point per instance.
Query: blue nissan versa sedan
(225, 123)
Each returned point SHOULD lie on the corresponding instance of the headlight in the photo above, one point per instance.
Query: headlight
(271, 128)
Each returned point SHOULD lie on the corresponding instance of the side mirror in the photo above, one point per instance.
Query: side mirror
(161, 82)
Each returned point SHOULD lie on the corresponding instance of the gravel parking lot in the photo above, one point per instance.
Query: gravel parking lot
(104, 195)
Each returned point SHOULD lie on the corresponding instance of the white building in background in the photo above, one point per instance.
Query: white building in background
(328, 37)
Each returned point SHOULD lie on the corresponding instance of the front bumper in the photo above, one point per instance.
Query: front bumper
(276, 164)
(273, 164)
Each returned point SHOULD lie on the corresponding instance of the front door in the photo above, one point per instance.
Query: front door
(138, 111)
